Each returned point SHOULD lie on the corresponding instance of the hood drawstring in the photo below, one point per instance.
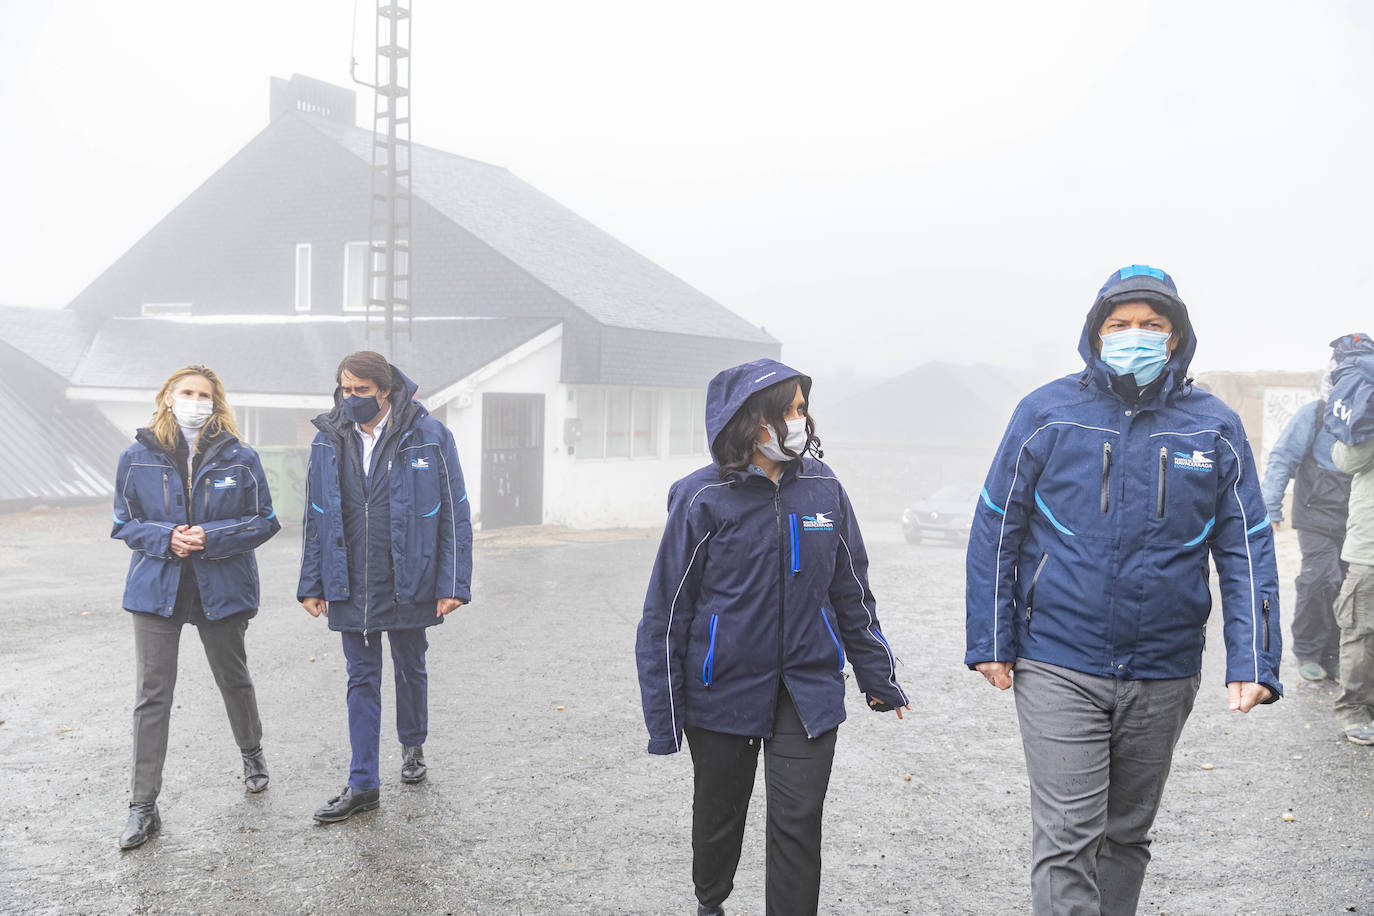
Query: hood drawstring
(1084, 380)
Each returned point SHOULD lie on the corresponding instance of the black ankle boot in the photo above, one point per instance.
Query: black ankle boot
(254, 770)
(413, 767)
(143, 823)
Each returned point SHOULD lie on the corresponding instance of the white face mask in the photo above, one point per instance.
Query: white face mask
(796, 441)
(192, 412)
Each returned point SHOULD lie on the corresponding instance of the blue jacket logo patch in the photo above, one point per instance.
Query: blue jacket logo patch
(817, 522)
(1197, 461)
(227, 483)
(419, 464)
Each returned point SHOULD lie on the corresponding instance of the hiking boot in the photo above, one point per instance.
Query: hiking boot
(1311, 671)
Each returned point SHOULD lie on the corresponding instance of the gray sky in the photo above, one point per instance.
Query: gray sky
(878, 183)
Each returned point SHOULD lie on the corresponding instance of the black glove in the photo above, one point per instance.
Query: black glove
(877, 705)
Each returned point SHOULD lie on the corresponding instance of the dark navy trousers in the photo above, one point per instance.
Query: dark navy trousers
(364, 657)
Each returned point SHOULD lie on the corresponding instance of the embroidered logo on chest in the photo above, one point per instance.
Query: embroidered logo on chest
(818, 522)
(1196, 461)
(226, 484)
(419, 464)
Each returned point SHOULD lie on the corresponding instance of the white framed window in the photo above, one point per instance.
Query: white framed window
(618, 422)
(686, 421)
(355, 277)
(303, 277)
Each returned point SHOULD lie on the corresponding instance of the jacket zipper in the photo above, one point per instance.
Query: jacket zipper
(166, 495)
(1106, 475)
(708, 666)
(1163, 465)
(367, 561)
(782, 582)
(838, 648)
(1264, 612)
(1030, 592)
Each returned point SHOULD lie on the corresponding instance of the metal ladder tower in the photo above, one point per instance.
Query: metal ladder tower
(390, 210)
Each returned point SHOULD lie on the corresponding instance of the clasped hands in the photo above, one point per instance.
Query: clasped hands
(317, 606)
(186, 539)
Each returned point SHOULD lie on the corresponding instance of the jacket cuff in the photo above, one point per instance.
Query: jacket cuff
(664, 745)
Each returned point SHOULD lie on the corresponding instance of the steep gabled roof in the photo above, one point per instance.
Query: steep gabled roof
(609, 281)
(293, 354)
(53, 338)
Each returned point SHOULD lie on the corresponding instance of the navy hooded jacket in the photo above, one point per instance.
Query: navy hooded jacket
(383, 548)
(1350, 408)
(1090, 541)
(229, 499)
(757, 587)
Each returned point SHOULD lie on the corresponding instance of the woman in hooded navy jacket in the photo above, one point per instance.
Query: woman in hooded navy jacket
(192, 503)
(758, 597)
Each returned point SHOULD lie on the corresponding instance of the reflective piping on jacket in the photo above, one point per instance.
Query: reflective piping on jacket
(1249, 559)
(990, 504)
(872, 628)
(434, 511)
(1206, 530)
(1264, 523)
(1050, 515)
(668, 637)
(453, 523)
(1002, 531)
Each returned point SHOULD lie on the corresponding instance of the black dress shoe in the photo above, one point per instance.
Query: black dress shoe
(143, 823)
(347, 803)
(254, 770)
(413, 767)
(704, 910)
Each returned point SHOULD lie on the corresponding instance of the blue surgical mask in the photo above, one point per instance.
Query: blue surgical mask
(1136, 351)
(361, 409)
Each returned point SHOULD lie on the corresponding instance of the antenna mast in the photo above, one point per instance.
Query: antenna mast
(389, 210)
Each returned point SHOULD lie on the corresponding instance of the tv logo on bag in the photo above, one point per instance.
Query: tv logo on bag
(1197, 461)
(1341, 411)
(817, 522)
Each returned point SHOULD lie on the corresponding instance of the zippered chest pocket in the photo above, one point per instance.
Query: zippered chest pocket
(1183, 494)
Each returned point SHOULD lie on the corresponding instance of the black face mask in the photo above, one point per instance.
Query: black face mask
(361, 409)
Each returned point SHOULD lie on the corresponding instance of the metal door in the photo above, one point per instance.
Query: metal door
(512, 460)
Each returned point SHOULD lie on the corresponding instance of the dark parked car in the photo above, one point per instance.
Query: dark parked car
(946, 514)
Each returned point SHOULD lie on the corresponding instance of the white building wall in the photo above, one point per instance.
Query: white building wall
(578, 492)
(127, 418)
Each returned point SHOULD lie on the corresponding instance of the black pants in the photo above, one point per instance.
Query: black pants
(1316, 638)
(797, 774)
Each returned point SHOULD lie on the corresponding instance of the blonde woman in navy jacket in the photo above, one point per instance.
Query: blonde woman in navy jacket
(192, 503)
(758, 598)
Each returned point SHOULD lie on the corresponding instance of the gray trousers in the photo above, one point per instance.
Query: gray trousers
(1098, 752)
(1355, 613)
(156, 641)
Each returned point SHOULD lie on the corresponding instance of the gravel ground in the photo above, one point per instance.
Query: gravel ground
(541, 799)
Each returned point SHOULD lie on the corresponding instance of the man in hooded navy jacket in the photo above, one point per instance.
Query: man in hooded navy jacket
(1088, 573)
(386, 548)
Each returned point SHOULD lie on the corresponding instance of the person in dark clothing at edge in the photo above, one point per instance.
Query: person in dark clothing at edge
(757, 597)
(1321, 493)
(1088, 574)
(192, 503)
(386, 548)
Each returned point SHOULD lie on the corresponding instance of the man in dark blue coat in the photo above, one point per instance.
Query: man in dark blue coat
(387, 548)
(1088, 573)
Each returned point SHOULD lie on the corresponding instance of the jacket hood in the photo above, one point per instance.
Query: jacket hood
(1347, 346)
(1140, 283)
(401, 399)
(732, 387)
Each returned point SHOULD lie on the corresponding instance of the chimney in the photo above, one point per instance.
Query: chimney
(315, 97)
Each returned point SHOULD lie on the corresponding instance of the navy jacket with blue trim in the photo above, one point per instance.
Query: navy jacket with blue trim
(382, 548)
(1090, 543)
(757, 587)
(229, 499)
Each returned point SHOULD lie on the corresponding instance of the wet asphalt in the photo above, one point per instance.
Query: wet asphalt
(541, 799)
